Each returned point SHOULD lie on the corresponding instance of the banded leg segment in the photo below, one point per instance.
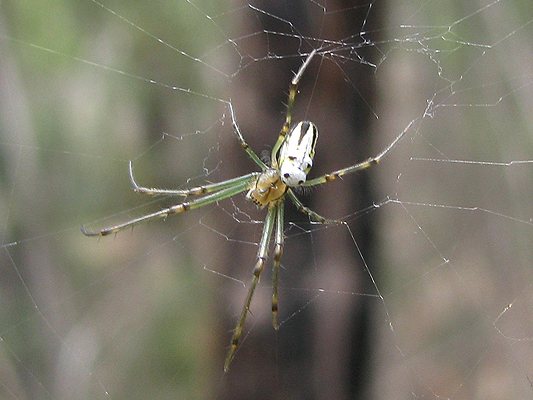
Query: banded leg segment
(262, 254)
(357, 167)
(313, 215)
(246, 147)
(293, 90)
(278, 252)
(178, 208)
(336, 174)
(195, 191)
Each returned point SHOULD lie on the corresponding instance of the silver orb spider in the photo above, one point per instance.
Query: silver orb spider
(290, 162)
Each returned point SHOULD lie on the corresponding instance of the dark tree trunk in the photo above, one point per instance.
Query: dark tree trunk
(323, 351)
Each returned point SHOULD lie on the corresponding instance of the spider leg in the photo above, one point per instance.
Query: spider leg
(336, 174)
(313, 215)
(195, 191)
(278, 251)
(243, 143)
(175, 209)
(357, 167)
(293, 90)
(262, 254)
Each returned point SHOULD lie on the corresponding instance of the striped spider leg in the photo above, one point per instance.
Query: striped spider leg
(356, 167)
(215, 192)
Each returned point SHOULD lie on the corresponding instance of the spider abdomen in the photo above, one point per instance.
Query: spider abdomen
(297, 152)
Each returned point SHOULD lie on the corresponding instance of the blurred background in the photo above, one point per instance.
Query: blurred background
(425, 292)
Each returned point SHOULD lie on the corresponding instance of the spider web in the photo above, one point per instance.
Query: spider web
(429, 279)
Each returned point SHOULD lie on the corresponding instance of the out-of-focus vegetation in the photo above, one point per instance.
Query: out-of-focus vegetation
(86, 87)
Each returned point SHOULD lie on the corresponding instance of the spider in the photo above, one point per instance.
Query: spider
(290, 162)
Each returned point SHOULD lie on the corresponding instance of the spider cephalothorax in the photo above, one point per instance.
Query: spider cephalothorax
(267, 189)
